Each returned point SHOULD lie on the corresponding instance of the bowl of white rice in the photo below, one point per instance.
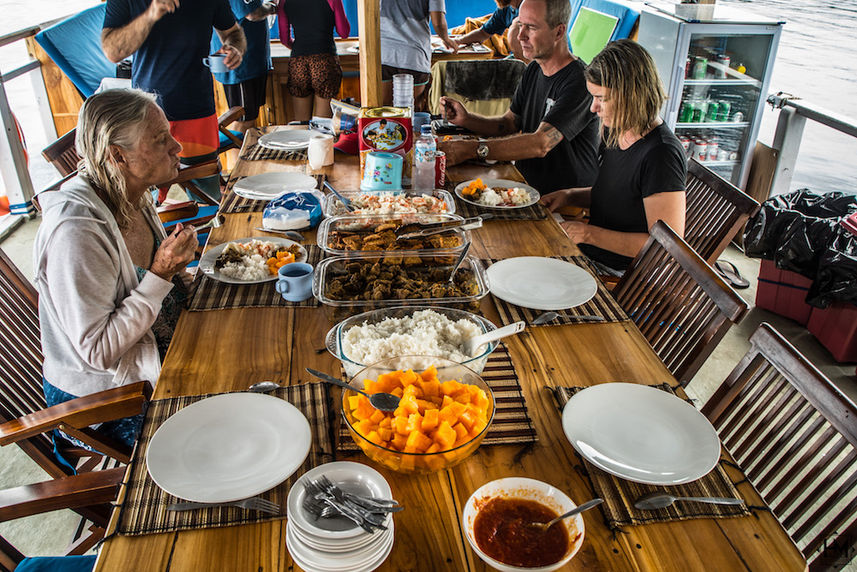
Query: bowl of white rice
(408, 330)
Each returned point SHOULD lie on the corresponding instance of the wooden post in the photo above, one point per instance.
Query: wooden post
(369, 29)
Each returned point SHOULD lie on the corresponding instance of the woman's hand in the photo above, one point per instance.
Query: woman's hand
(175, 252)
(556, 200)
(575, 230)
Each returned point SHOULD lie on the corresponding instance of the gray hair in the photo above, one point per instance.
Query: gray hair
(557, 12)
(112, 117)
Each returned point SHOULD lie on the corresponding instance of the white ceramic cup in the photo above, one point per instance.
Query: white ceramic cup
(320, 151)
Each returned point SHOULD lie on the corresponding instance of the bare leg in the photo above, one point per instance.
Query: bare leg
(322, 107)
(419, 100)
(302, 108)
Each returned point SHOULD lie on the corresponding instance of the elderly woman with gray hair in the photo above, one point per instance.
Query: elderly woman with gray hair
(108, 276)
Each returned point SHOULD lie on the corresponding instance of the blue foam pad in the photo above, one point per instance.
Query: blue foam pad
(626, 12)
(225, 141)
(57, 564)
(75, 46)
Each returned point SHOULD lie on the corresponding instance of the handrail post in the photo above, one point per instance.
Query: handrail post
(787, 138)
(13, 162)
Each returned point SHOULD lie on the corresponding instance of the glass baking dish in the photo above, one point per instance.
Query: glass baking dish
(342, 282)
(332, 206)
(336, 233)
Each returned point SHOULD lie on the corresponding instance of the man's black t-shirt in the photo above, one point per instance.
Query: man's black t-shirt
(654, 164)
(562, 101)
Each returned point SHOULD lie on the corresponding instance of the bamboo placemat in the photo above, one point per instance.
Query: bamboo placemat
(512, 423)
(602, 304)
(258, 153)
(619, 494)
(210, 294)
(143, 510)
(232, 203)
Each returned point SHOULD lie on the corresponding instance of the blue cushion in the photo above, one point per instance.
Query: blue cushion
(627, 12)
(57, 564)
(226, 141)
(75, 46)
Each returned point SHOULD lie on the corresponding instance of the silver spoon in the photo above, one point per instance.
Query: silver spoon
(470, 345)
(345, 202)
(653, 501)
(585, 506)
(216, 222)
(380, 401)
(264, 386)
(458, 262)
(551, 316)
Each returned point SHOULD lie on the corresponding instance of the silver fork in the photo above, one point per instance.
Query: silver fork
(253, 503)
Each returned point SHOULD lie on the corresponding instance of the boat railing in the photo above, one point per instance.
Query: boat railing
(794, 113)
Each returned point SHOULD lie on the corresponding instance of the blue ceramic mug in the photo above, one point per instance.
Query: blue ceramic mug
(382, 172)
(217, 63)
(420, 118)
(294, 281)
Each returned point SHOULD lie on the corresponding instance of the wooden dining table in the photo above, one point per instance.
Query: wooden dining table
(227, 350)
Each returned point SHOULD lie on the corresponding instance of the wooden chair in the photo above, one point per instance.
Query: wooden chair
(678, 302)
(90, 493)
(716, 211)
(25, 418)
(795, 435)
(62, 154)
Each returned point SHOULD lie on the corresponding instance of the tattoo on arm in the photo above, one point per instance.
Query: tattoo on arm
(553, 135)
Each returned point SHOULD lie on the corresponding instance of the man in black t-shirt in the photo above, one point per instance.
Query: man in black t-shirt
(549, 129)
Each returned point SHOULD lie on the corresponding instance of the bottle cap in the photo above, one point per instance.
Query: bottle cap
(425, 129)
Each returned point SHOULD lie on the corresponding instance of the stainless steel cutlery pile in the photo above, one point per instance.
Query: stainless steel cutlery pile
(324, 499)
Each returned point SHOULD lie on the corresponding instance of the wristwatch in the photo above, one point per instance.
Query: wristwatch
(482, 151)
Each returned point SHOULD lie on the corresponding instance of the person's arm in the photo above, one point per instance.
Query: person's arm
(283, 25)
(520, 146)
(234, 45)
(438, 20)
(120, 43)
(477, 36)
(339, 18)
(580, 197)
(262, 12)
(668, 207)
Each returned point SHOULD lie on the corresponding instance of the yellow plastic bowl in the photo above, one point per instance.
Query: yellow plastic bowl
(416, 462)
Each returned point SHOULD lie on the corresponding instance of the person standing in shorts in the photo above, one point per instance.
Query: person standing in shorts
(314, 71)
(406, 42)
(245, 85)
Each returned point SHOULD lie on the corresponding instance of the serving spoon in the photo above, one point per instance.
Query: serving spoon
(577, 510)
(654, 501)
(345, 202)
(380, 401)
(470, 345)
(458, 262)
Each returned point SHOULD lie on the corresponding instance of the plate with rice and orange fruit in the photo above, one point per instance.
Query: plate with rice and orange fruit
(497, 193)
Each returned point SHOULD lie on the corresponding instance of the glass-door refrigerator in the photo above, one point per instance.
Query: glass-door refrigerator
(715, 62)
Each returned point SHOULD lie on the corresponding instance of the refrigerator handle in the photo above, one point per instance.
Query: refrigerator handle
(673, 105)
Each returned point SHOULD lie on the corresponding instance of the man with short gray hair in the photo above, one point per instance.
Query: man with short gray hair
(549, 129)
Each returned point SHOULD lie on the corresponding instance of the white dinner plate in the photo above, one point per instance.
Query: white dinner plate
(207, 260)
(641, 433)
(269, 186)
(290, 139)
(228, 447)
(504, 183)
(541, 283)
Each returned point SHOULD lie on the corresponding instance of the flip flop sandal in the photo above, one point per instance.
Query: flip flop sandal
(730, 273)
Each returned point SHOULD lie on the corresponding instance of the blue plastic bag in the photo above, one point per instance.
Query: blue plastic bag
(293, 210)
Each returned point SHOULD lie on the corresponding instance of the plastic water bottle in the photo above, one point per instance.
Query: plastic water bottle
(424, 151)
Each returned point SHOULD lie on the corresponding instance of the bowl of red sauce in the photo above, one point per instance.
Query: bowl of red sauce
(496, 522)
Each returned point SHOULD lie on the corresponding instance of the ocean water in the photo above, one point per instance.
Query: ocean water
(817, 61)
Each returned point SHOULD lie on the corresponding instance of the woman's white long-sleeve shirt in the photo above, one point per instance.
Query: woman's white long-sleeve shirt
(95, 315)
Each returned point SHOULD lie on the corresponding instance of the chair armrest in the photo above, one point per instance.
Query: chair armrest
(230, 115)
(86, 489)
(80, 413)
(198, 171)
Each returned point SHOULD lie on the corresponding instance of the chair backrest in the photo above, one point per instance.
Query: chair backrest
(681, 306)
(795, 435)
(716, 211)
(21, 391)
(75, 46)
(62, 154)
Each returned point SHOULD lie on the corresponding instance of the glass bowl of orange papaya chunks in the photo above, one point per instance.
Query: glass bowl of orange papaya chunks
(444, 412)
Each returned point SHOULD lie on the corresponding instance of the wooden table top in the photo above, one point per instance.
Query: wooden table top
(227, 350)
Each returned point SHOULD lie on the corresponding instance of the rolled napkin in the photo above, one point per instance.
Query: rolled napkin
(320, 151)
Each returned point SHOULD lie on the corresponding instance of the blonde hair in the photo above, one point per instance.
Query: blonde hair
(636, 92)
(112, 117)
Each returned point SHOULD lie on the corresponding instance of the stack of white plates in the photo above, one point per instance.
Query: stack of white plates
(334, 544)
(267, 186)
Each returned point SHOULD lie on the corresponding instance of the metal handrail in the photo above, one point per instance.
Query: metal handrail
(816, 113)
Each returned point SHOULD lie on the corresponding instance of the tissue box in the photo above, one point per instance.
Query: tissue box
(293, 210)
